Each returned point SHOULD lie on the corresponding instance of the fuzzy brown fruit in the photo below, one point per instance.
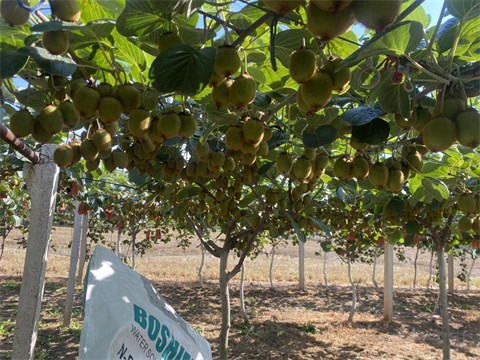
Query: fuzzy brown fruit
(102, 140)
(51, 119)
(87, 100)
(40, 135)
(468, 128)
(332, 5)
(129, 96)
(234, 138)
(343, 168)
(283, 6)
(420, 118)
(253, 131)
(243, 91)
(302, 168)
(22, 123)
(317, 91)
(439, 133)
(329, 25)
(302, 65)
(63, 155)
(360, 168)
(66, 10)
(88, 150)
(227, 61)
(168, 40)
(109, 109)
(378, 175)
(139, 122)
(169, 125)
(56, 42)
(376, 15)
(221, 94)
(340, 78)
(13, 14)
(70, 116)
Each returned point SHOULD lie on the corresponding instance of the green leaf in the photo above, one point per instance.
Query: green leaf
(321, 225)
(436, 188)
(264, 168)
(287, 42)
(361, 115)
(136, 178)
(393, 98)
(460, 8)
(326, 246)
(11, 63)
(395, 237)
(182, 69)
(324, 135)
(297, 228)
(373, 133)
(181, 210)
(139, 18)
(416, 15)
(53, 64)
(55, 26)
(413, 227)
(396, 204)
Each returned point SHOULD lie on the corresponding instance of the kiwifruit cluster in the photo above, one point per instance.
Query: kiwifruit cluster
(469, 204)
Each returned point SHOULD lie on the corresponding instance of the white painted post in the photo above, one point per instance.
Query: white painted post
(451, 274)
(119, 243)
(83, 250)
(42, 181)
(388, 283)
(77, 231)
(301, 265)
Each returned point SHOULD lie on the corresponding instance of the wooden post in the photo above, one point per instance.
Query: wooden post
(388, 283)
(451, 274)
(77, 231)
(42, 181)
(83, 250)
(301, 265)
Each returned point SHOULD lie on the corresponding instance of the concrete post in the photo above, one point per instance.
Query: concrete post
(451, 274)
(83, 250)
(301, 265)
(388, 283)
(119, 243)
(77, 232)
(42, 181)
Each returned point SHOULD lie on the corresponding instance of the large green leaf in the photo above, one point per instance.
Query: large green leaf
(373, 133)
(416, 15)
(322, 136)
(393, 98)
(100, 9)
(361, 115)
(182, 69)
(96, 29)
(53, 64)
(436, 188)
(460, 8)
(297, 228)
(139, 18)
(11, 62)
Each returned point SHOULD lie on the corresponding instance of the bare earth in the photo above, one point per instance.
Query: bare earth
(285, 324)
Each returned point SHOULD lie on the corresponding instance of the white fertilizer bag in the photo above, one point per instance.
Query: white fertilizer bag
(125, 318)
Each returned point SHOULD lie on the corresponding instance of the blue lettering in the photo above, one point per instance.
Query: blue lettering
(153, 327)
(171, 351)
(165, 333)
(140, 316)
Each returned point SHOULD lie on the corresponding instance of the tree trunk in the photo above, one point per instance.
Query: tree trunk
(354, 293)
(4, 238)
(388, 282)
(430, 273)
(325, 269)
(243, 312)
(271, 268)
(119, 243)
(200, 269)
(374, 269)
(451, 274)
(225, 298)
(415, 266)
(301, 265)
(470, 273)
(436, 305)
(133, 251)
(443, 300)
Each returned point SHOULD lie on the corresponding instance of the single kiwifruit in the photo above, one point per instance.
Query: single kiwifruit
(188, 125)
(168, 40)
(343, 169)
(102, 140)
(420, 117)
(129, 96)
(109, 164)
(109, 110)
(88, 150)
(56, 42)
(439, 133)
(340, 78)
(66, 10)
(321, 161)
(263, 148)
(13, 14)
(153, 133)
(253, 131)
(332, 5)
(111, 128)
(148, 145)
(404, 123)
(267, 134)
(301, 104)
(467, 203)
(452, 107)
(87, 100)
(139, 122)
(302, 65)
(202, 149)
(227, 61)
(229, 164)
(465, 223)
(310, 154)
(243, 91)
(40, 135)
(92, 165)
(468, 128)
(250, 149)
(217, 159)
(22, 123)
(51, 119)
(414, 161)
(216, 79)
(74, 86)
(317, 91)
(105, 89)
(63, 155)
(169, 125)
(249, 159)
(70, 116)
(341, 126)
(360, 168)
(476, 225)
(221, 94)
(302, 168)
(77, 155)
(376, 15)
(329, 25)
(357, 145)
(283, 6)
(234, 138)
(396, 179)
(378, 175)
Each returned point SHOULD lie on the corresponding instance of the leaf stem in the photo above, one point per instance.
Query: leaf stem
(429, 73)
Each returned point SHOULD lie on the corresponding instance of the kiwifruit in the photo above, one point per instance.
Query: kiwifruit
(139, 122)
(284, 163)
(243, 91)
(249, 159)
(234, 138)
(439, 133)
(357, 145)
(74, 86)
(40, 135)
(66, 10)
(129, 96)
(88, 150)
(169, 125)
(56, 42)
(102, 140)
(13, 14)
(109, 164)
(465, 223)
(63, 155)
(105, 89)
(188, 125)
(302, 65)
(476, 225)
(109, 110)
(267, 134)
(148, 145)
(283, 6)
(310, 154)
(343, 169)
(201, 169)
(321, 161)
(250, 149)
(341, 78)
(376, 15)
(229, 164)
(22, 123)
(263, 148)
(253, 131)
(153, 134)
(70, 116)
(327, 25)
(60, 87)
(301, 104)
(77, 155)
(468, 128)
(414, 161)
(302, 168)
(467, 203)
(111, 128)
(221, 94)
(341, 126)
(202, 149)
(167, 40)
(51, 119)
(217, 159)
(452, 107)
(227, 61)
(404, 123)
(420, 116)
(360, 168)
(332, 5)
(378, 175)
(317, 91)
(216, 79)
(396, 179)
(86, 101)
(92, 165)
